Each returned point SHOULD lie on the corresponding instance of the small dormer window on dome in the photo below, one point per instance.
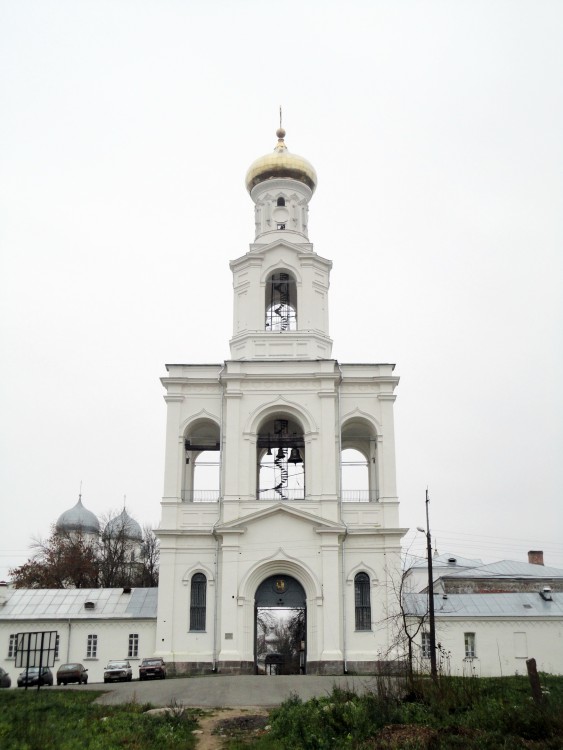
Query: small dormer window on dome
(281, 302)
(280, 201)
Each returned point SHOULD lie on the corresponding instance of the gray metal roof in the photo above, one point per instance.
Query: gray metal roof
(442, 561)
(507, 569)
(57, 604)
(487, 605)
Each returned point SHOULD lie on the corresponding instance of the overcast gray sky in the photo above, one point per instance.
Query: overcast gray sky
(436, 130)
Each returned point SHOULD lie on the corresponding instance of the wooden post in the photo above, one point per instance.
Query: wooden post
(537, 694)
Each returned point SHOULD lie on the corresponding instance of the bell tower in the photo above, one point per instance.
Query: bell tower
(281, 284)
(261, 507)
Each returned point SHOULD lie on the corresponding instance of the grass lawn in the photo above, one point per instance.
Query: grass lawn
(66, 720)
(465, 713)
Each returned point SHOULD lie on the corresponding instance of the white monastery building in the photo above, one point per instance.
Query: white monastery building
(280, 497)
(282, 525)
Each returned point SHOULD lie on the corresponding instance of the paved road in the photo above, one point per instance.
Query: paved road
(225, 690)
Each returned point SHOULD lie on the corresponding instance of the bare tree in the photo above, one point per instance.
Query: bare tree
(66, 559)
(410, 624)
(73, 559)
(406, 625)
(150, 556)
(296, 627)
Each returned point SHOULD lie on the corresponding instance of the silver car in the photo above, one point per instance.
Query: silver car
(118, 671)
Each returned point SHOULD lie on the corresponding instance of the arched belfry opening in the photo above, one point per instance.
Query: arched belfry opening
(358, 462)
(281, 302)
(280, 456)
(202, 468)
(280, 626)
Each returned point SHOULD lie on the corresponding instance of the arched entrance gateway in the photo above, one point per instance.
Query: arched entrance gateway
(280, 626)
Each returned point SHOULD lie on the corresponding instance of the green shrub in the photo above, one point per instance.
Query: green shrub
(339, 720)
(465, 713)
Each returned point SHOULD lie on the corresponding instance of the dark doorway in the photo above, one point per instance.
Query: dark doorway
(280, 626)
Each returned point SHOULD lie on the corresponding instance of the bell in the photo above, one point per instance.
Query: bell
(295, 457)
(269, 451)
(280, 453)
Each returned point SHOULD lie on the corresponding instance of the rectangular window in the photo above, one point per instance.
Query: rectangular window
(198, 602)
(57, 643)
(469, 640)
(362, 601)
(133, 645)
(425, 643)
(92, 647)
(12, 646)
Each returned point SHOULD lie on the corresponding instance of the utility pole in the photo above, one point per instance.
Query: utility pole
(433, 667)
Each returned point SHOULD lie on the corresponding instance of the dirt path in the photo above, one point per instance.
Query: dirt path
(207, 724)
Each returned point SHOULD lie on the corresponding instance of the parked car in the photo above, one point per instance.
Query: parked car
(119, 671)
(154, 667)
(32, 677)
(5, 679)
(72, 673)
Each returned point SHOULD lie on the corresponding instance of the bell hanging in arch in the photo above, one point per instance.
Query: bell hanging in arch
(295, 457)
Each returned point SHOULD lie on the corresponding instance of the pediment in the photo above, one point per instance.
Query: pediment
(320, 525)
(281, 244)
(301, 252)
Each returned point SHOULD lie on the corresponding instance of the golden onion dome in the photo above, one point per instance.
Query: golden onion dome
(281, 163)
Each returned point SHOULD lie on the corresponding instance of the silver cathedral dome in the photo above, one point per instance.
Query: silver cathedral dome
(78, 518)
(124, 522)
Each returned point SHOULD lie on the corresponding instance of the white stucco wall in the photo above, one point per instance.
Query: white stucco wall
(113, 642)
(501, 645)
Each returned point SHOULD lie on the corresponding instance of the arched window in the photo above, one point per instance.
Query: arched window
(362, 601)
(281, 201)
(198, 597)
(281, 302)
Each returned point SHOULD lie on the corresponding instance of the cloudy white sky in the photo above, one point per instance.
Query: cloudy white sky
(435, 127)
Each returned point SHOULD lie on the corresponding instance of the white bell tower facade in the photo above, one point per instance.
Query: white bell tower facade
(263, 509)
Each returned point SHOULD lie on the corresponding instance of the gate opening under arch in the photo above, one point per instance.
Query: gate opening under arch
(280, 626)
